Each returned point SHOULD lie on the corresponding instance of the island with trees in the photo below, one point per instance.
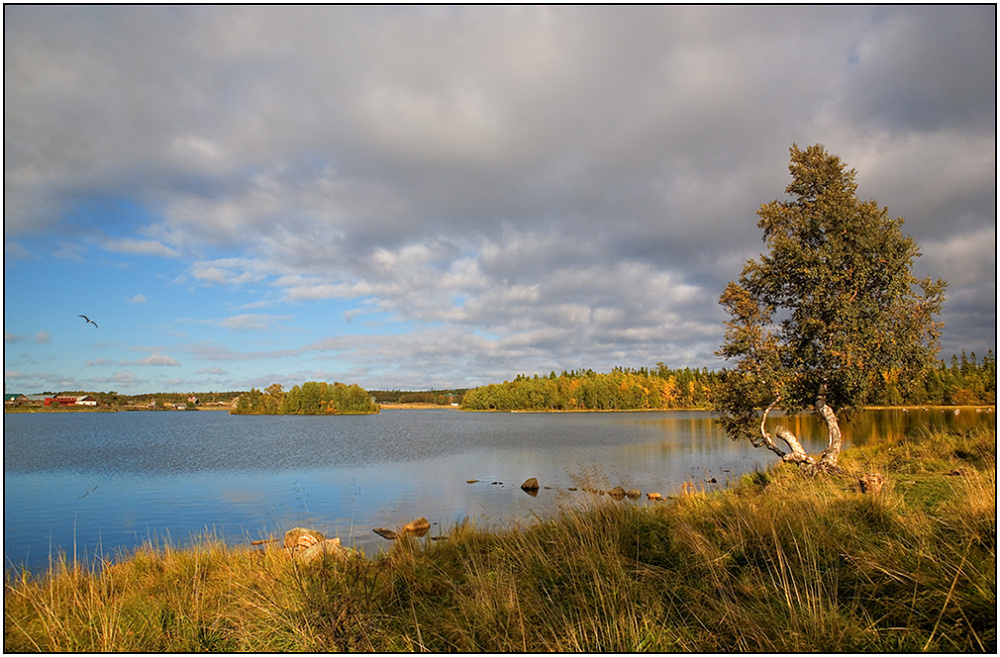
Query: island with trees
(311, 398)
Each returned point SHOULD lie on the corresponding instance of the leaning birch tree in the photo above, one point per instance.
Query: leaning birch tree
(831, 311)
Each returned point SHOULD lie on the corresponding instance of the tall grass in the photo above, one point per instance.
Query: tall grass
(779, 563)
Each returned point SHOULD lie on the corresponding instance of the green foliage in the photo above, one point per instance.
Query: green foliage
(438, 397)
(621, 389)
(831, 308)
(311, 398)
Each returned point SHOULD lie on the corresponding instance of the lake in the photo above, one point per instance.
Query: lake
(95, 484)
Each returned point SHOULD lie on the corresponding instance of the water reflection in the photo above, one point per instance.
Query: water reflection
(861, 428)
(102, 482)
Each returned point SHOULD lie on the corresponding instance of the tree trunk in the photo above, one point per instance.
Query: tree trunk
(797, 454)
(831, 454)
(832, 451)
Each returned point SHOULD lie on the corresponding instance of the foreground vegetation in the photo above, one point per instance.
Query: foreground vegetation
(779, 563)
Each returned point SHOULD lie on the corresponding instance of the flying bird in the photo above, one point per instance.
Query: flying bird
(89, 321)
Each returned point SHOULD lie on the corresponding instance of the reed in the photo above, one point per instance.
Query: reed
(780, 562)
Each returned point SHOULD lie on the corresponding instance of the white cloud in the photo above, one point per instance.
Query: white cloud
(139, 298)
(156, 359)
(140, 247)
(250, 322)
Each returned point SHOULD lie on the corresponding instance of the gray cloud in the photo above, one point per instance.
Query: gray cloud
(532, 187)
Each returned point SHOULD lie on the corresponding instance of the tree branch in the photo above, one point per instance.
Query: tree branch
(797, 455)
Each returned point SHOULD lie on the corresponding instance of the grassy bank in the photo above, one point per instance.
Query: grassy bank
(779, 563)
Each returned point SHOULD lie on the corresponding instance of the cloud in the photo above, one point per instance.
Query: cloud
(160, 360)
(139, 298)
(122, 379)
(140, 247)
(156, 359)
(250, 322)
(42, 337)
(229, 271)
(245, 322)
(501, 188)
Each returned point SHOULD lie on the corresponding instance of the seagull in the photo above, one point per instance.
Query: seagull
(89, 321)
(88, 492)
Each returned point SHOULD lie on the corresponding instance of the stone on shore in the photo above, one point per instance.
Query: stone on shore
(330, 547)
(300, 538)
(872, 483)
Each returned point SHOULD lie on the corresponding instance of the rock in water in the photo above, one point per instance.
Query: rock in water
(386, 533)
(530, 484)
(634, 494)
(617, 492)
(417, 527)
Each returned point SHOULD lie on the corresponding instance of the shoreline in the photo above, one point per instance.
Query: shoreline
(708, 571)
(979, 408)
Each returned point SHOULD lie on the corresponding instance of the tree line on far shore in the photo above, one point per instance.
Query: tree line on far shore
(965, 381)
(619, 390)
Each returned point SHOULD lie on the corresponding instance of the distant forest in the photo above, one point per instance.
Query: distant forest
(963, 380)
(439, 397)
(621, 389)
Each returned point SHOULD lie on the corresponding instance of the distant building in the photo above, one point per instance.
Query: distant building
(15, 398)
(61, 400)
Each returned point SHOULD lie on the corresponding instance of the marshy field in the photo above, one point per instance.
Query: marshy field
(778, 562)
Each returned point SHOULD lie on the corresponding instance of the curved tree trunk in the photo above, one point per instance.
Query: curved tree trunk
(832, 451)
(797, 453)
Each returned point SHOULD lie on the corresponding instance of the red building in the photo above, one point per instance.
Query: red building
(71, 400)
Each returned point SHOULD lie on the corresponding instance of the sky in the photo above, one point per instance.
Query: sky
(443, 197)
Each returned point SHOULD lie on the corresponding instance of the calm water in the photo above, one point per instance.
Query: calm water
(100, 483)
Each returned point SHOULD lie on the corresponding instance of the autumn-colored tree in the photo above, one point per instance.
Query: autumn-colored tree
(827, 313)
